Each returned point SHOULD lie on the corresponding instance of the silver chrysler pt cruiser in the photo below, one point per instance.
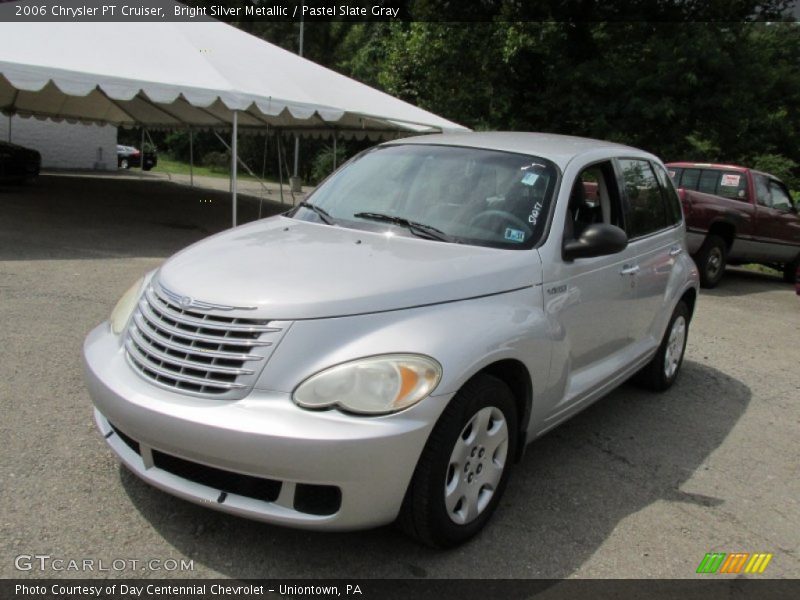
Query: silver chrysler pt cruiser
(385, 350)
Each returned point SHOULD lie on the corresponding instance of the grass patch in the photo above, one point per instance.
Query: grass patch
(176, 167)
(762, 269)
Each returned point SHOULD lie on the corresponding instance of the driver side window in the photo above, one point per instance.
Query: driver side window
(594, 199)
(771, 193)
(779, 197)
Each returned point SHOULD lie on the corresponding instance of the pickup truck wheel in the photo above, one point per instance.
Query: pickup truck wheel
(464, 466)
(711, 260)
(790, 270)
(660, 373)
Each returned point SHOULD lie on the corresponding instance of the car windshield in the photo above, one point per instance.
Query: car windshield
(445, 193)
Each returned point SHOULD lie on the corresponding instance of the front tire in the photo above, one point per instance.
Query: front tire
(463, 469)
(711, 260)
(123, 164)
(662, 371)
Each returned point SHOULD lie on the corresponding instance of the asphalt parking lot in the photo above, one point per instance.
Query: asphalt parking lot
(638, 485)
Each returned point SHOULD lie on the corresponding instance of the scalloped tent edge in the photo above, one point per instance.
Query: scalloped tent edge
(199, 75)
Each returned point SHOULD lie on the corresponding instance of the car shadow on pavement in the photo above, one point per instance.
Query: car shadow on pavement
(744, 282)
(567, 495)
(90, 216)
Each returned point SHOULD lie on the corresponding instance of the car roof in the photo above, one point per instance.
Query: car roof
(705, 165)
(14, 146)
(560, 149)
(698, 165)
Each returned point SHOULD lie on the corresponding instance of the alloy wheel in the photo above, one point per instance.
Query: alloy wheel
(675, 345)
(714, 263)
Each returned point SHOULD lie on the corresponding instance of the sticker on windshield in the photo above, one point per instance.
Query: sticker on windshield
(530, 178)
(729, 180)
(514, 235)
(533, 218)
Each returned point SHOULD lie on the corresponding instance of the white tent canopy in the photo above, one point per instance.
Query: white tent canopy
(175, 74)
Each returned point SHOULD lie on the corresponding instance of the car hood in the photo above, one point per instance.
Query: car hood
(291, 269)
(9, 147)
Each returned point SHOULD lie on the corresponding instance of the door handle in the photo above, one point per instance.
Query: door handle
(629, 270)
(675, 251)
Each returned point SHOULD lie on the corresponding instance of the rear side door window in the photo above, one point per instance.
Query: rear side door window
(647, 212)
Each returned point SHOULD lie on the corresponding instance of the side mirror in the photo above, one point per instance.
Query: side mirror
(598, 239)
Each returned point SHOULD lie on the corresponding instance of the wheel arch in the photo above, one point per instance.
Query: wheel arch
(724, 229)
(516, 376)
(690, 298)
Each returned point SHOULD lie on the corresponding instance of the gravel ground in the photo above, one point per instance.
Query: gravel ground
(638, 485)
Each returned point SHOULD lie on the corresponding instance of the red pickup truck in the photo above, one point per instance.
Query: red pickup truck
(736, 215)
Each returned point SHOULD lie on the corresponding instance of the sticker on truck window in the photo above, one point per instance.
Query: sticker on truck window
(514, 235)
(729, 180)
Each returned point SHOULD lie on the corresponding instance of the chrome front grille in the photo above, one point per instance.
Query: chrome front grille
(197, 351)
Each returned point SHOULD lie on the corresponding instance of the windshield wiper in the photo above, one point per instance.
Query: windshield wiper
(321, 212)
(418, 229)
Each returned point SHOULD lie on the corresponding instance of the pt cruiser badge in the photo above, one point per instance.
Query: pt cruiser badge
(385, 350)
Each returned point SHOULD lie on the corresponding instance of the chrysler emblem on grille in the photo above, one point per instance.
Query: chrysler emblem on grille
(186, 302)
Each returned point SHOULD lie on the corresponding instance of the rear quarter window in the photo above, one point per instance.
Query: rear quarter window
(674, 213)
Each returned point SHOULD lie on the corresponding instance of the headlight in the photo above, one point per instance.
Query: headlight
(375, 385)
(124, 309)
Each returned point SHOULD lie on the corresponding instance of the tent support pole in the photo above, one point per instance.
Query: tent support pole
(280, 167)
(263, 171)
(264, 157)
(9, 128)
(141, 160)
(297, 136)
(234, 161)
(296, 153)
(191, 157)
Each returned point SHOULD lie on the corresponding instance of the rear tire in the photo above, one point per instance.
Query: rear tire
(711, 260)
(662, 371)
(464, 466)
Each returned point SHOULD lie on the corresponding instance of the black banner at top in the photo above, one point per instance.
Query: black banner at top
(399, 10)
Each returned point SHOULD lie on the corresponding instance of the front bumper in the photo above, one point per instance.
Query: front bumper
(265, 435)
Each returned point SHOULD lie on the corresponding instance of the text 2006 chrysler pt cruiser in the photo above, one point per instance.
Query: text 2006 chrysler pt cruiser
(385, 350)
